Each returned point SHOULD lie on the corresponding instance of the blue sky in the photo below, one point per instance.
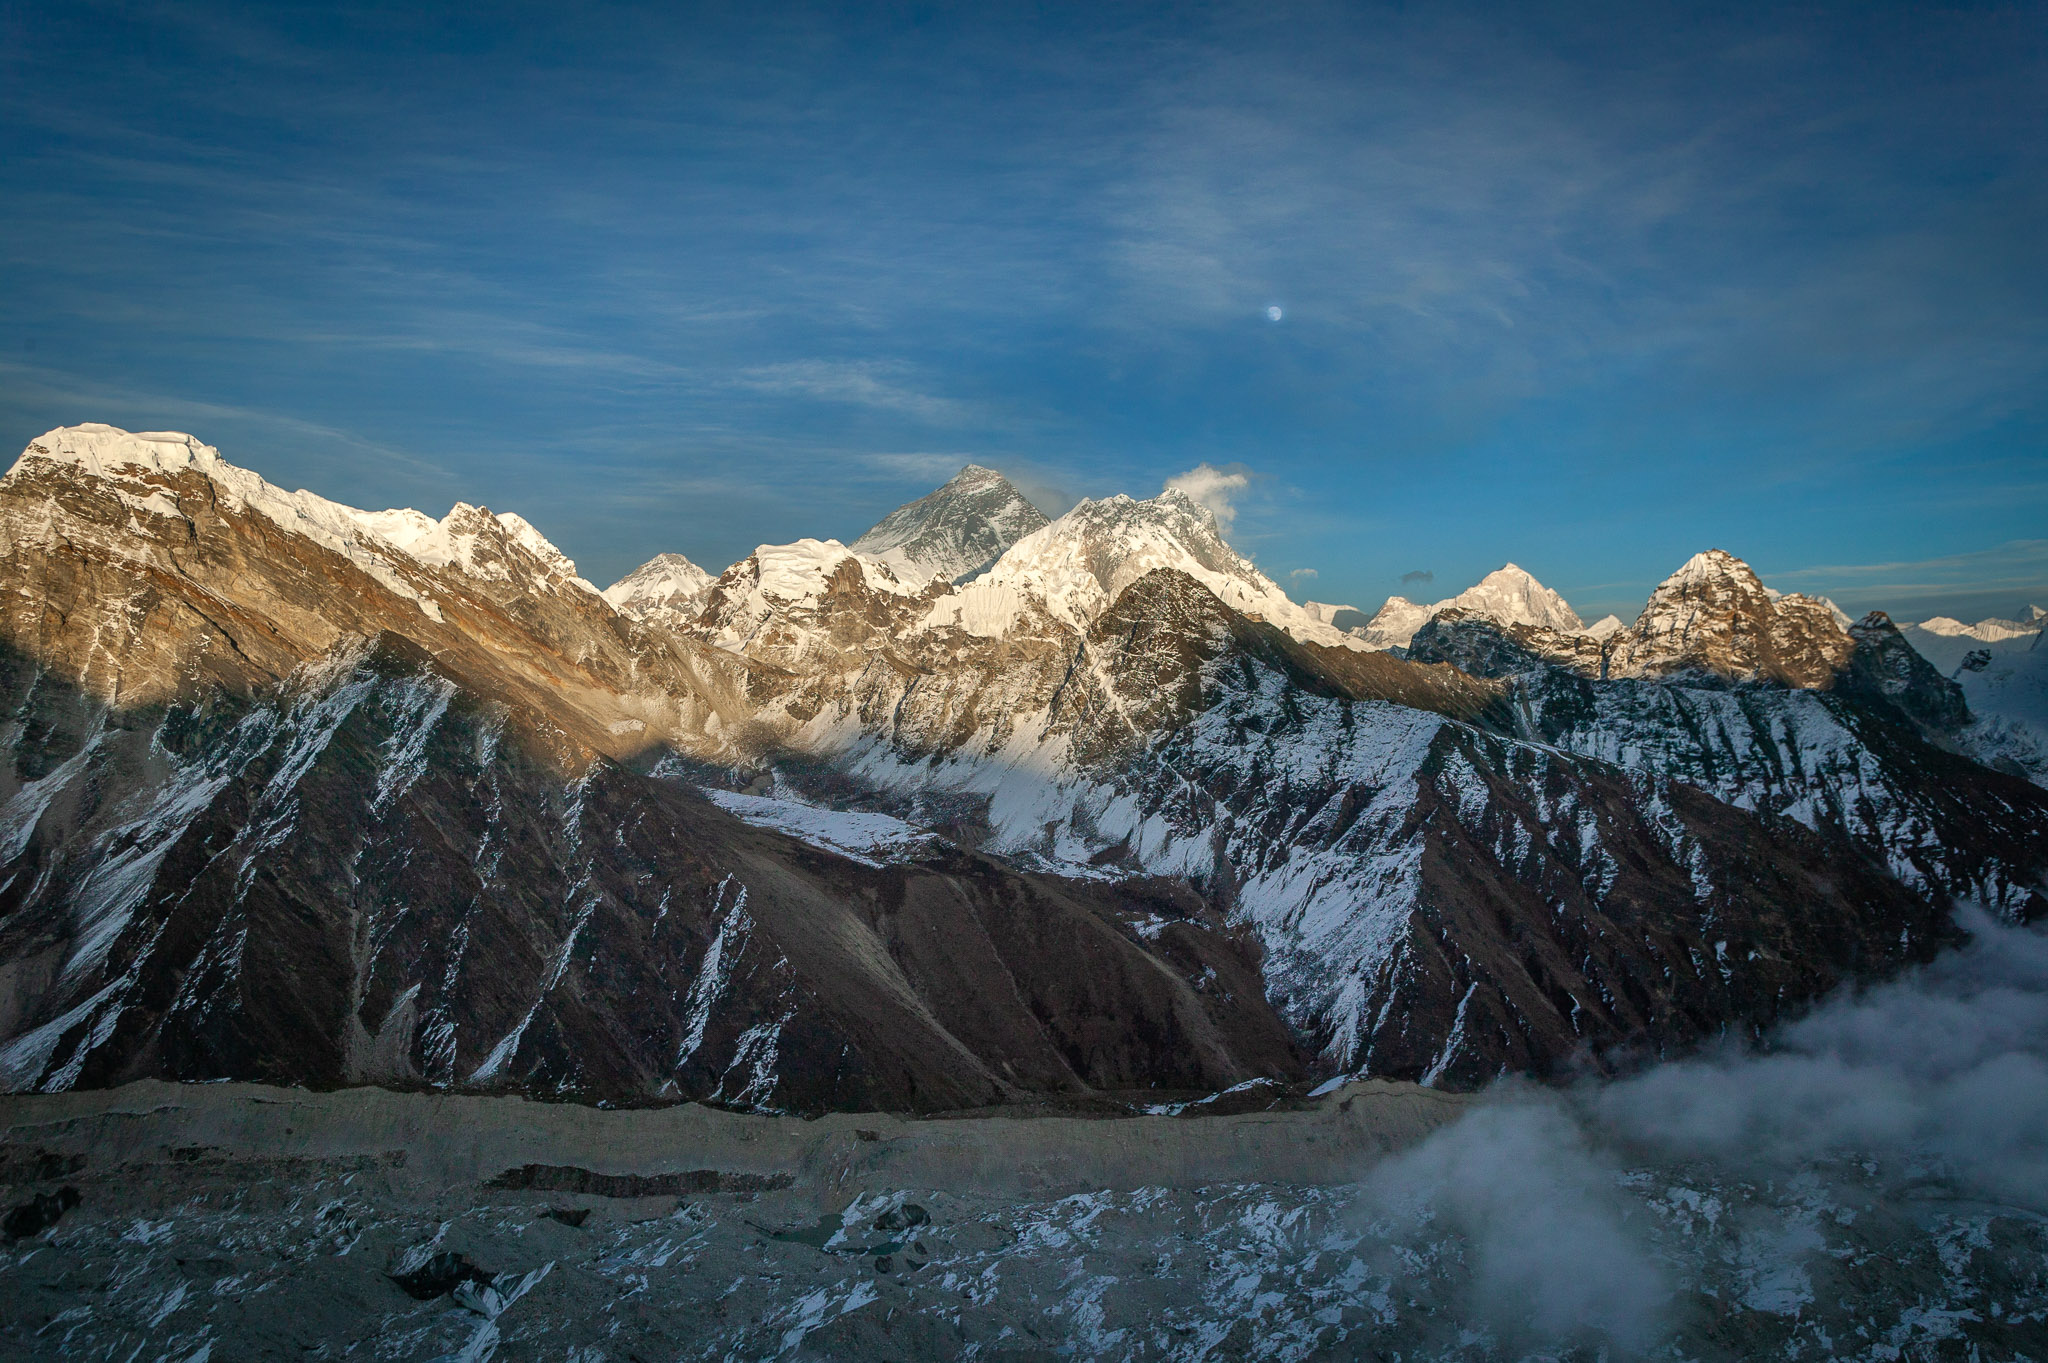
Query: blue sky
(1588, 290)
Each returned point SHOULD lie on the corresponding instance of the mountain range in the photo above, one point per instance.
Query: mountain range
(981, 809)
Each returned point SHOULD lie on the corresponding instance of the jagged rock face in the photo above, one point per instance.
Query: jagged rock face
(148, 569)
(859, 688)
(667, 592)
(1437, 902)
(1833, 761)
(962, 527)
(373, 879)
(1485, 648)
(810, 607)
(1713, 616)
(1387, 850)
(1885, 666)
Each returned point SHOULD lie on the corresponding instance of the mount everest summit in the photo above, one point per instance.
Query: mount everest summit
(979, 808)
(963, 526)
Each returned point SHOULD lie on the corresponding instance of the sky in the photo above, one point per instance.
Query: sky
(1586, 288)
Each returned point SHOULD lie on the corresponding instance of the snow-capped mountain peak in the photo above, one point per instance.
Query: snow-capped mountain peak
(1989, 631)
(1185, 502)
(664, 590)
(138, 467)
(1509, 595)
(781, 583)
(954, 530)
(1076, 566)
(1711, 565)
(1395, 623)
(472, 540)
(533, 542)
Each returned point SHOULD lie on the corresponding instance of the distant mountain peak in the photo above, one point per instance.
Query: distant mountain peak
(1075, 567)
(954, 530)
(662, 590)
(141, 467)
(1509, 595)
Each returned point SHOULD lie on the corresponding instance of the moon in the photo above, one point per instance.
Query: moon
(1273, 313)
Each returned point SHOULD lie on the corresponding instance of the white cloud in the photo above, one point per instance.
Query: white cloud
(1304, 572)
(1212, 488)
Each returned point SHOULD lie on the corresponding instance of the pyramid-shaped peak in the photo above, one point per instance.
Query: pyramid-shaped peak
(1711, 565)
(664, 573)
(1509, 576)
(954, 530)
(1715, 616)
(1510, 595)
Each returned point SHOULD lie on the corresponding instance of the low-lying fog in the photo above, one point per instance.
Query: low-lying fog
(1872, 1180)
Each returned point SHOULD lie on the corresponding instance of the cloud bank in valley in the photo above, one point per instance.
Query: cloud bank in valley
(1885, 1153)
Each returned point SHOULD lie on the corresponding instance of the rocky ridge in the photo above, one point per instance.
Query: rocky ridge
(1714, 616)
(1119, 750)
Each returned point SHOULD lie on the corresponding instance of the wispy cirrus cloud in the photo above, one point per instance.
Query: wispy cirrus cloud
(2016, 566)
(30, 387)
(889, 387)
(1615, 281)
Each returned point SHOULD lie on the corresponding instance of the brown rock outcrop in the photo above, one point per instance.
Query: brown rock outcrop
(1714, 617)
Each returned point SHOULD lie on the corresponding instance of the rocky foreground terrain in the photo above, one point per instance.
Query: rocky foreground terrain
(300, 793)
